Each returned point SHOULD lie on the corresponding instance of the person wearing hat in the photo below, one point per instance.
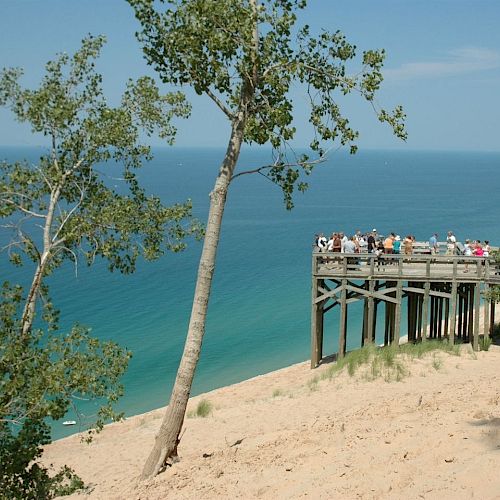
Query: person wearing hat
(396, 246)
(451, 244)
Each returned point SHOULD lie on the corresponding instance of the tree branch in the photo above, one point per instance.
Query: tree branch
(220, 104)
(259, 170)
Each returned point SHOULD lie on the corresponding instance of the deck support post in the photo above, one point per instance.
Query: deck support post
(397, 313)
(492, 318)
(486, 306)
(477, 308)
(316, 325)
(453, 312)
(343, 320)
(371, 313)
(425, 311)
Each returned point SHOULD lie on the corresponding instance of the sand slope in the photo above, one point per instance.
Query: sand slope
(436, 434)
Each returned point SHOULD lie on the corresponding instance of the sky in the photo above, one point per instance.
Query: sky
(442, 65)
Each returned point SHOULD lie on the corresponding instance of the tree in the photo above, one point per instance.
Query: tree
(493, 293)
(245, 55)
(64, 209)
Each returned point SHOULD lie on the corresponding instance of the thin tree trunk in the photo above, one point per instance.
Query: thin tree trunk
(167, 439)
(165, 446)
(30, 305)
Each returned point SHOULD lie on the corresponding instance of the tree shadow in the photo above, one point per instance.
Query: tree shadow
(491, 431)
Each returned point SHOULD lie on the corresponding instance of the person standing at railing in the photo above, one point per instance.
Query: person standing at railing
(389, 243)
(433, 244)
(486, 248)
(371, 242)
(478, 250)
(467, 253)
(343, 240)
(451, 244)
(321, 242)
(396, 246)
(337, 243)
(408, 245)
(329, 244)
(350, 245)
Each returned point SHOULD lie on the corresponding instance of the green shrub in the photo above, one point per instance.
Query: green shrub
(484, 343)
(388, 361)
(40, 376)
(204, 408)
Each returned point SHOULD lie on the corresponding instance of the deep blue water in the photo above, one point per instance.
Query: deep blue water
(259, 315)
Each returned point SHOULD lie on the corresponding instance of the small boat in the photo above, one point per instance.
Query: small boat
(69, 422)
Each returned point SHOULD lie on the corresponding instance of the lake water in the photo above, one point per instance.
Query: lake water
(259, 314)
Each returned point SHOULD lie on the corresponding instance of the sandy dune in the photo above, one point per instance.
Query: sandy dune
(436, 434)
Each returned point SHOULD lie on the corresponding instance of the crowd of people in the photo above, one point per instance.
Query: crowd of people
(372, 242)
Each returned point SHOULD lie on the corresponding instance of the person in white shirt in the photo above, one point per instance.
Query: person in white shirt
(350, 246)
(451, 244)
(467, 253)
(486, 248)
(344, 239)
(322, 243)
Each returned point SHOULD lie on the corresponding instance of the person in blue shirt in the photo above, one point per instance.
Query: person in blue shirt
(433, 244)
(396, 246)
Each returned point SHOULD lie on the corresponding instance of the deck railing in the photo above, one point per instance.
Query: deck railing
(414, 266)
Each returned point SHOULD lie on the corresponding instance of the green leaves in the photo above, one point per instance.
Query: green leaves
(247, 56)
(41, 376)
(78, 212)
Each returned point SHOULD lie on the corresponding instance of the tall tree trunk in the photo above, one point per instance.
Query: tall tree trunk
(165, 446)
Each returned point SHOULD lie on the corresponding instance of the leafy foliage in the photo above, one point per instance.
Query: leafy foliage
(82, 213)
(229, 49)
(40, 376)
(493, 293)
(63, 208)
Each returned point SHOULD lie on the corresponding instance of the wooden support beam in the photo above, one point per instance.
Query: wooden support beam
(431, 322)
(477, 309)
(492, 318)
(397, 313)
(460, 314)
(316, 325)
(343, 321)
(410, 296)
(470, 325)
(433, 293)
(425, 311)
(486, 306)
(440, 317)
(447, 318)
(365, 319)
(453, 312)
(371, 313)
(420, 303)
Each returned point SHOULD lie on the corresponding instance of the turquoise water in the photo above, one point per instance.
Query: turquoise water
(260, 305)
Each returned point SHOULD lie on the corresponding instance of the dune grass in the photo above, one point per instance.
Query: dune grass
(389, 362)
(485, 342)
(203, 409)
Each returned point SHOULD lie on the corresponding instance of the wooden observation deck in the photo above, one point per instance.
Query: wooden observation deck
(443, 296)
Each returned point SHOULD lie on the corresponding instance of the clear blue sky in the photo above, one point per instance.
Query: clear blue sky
(443, 64)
